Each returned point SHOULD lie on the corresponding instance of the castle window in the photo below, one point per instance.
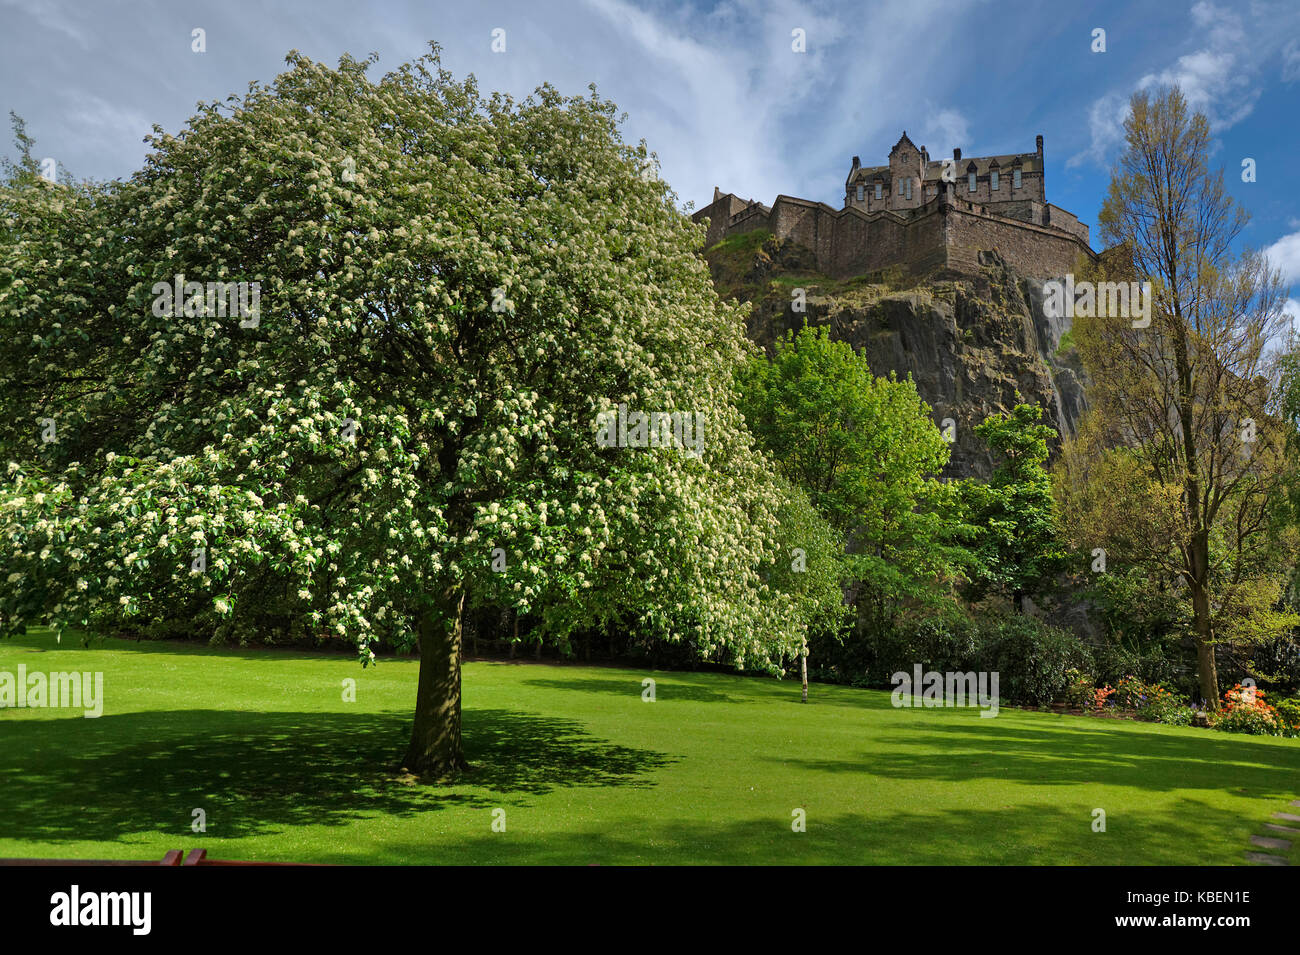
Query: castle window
(993, 180)
(1015, 179)
(907, 189)
(862, 193)
(879, 191)
(971, 180)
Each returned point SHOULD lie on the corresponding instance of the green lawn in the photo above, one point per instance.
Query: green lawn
(588, 772)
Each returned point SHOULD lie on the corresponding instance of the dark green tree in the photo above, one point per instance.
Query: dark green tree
(1016, 542)
(867, 453)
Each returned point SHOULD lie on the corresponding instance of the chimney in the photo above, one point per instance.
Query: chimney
(717, 193)
(856, 162)
(956, 155)
(1039, 143)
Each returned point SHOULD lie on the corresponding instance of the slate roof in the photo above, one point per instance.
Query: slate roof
(1029, 162)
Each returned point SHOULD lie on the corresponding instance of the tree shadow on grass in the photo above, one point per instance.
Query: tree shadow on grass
(104, 779)
(682, 686)
(1189, 834)
(678, 686)
(1067, 755)
(42, 639)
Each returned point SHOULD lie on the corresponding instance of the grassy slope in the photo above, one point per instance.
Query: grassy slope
(587, 772)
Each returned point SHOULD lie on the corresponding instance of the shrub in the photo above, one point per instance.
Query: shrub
(1152, 664)
(1032, 658)
(1078, 689)
(1170, 708)
(1144, 626)
(1245, 711)
(1288, 715)
(1131, 693)
(945, 645)
(1153, 701)
(1149, 701)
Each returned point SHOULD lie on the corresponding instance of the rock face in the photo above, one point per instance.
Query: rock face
(975, 341)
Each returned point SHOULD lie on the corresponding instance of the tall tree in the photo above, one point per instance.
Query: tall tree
(407, 416)
(1190, 385)
(810, 569)
(1014, 514)
(867, 453)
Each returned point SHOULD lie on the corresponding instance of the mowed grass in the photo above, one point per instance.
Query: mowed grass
(587, 772)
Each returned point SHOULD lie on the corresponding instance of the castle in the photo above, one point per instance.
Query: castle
(921, 214)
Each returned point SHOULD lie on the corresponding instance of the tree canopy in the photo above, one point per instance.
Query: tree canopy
(867, 453)
(1191, 391)
(1015, 543)
(432, 298)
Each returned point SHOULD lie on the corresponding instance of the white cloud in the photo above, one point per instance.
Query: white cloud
(1219, 78)
(1291, 309)
(947, 128)
(733, 105)
(1291, 62)
(1284, 254)
(97, 123)
(1106, 125)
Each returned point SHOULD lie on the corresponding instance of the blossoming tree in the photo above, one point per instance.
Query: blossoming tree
(395, 418)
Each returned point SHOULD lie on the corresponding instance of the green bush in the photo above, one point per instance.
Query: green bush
(1170, 708)
(1288, 715)
(1078, 689)
(944, 645)
(1130, 693)
(1153, 663)
(1033, 659)
(1144, 627)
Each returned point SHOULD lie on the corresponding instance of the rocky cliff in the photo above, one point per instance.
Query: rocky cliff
(974, 339)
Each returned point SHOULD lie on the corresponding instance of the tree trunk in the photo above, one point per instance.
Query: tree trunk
(803, 670)
(1206, 671)
(435, 749)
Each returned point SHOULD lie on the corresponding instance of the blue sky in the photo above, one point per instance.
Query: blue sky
(716, 88)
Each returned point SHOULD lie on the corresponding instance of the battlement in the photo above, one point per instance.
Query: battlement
(920, 214)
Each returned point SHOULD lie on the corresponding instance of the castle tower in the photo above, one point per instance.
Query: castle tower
(906, 173)
(921, 213)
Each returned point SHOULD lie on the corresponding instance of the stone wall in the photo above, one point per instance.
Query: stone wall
(943, 233)
(1033, 251)
(1026, 210)
(1059, 218)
